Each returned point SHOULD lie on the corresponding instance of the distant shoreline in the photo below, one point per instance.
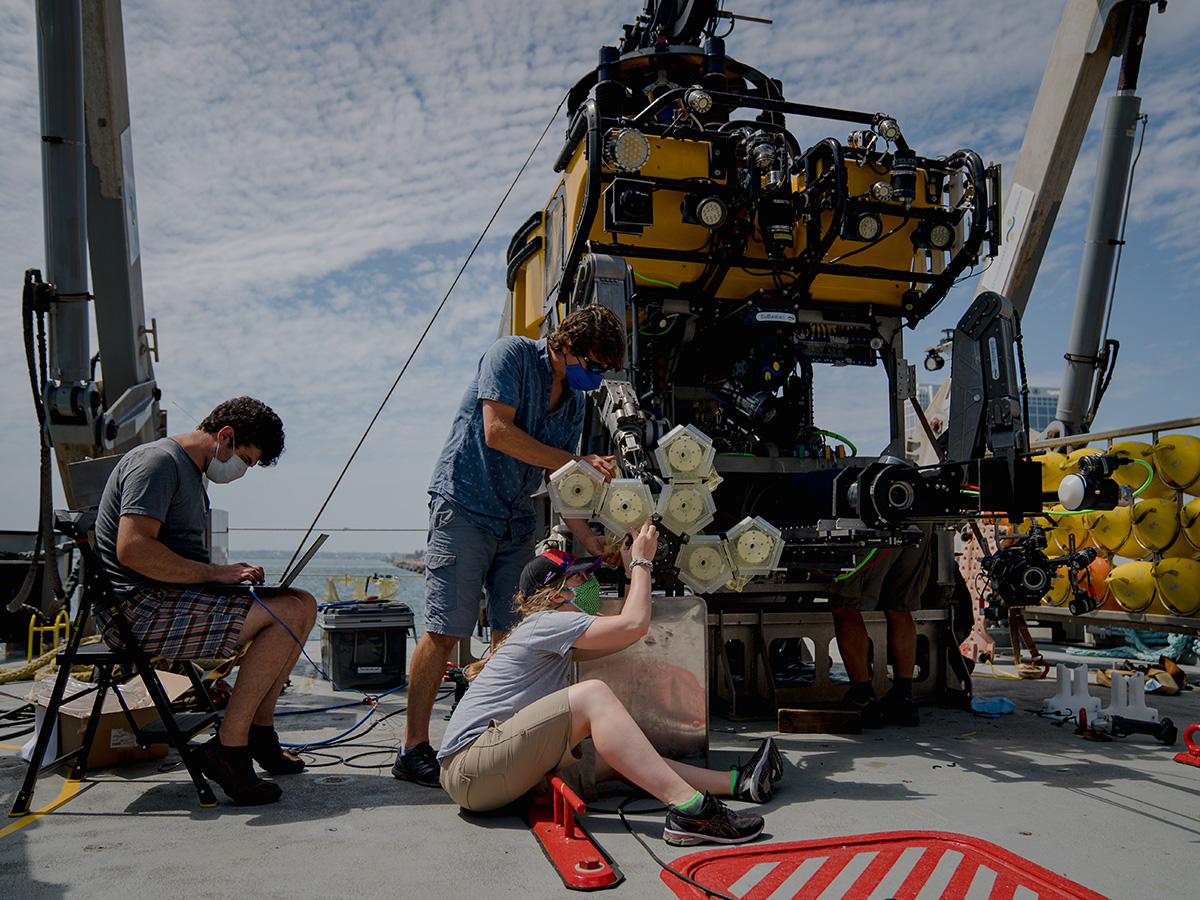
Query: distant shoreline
(287, 554)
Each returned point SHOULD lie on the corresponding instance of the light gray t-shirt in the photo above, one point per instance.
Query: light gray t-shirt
(158, 480)
(533, 663)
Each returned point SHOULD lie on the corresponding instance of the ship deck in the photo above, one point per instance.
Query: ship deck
(1120, 818)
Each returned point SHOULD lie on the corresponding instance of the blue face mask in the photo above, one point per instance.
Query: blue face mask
(581, 379)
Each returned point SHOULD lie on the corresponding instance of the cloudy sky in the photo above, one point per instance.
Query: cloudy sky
(310, 176)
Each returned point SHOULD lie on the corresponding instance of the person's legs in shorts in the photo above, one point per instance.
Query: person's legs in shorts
(275, 628)
(502, 582)
(852, 596)
(457, 557)
(900, 596)
(187, 623)
(511, 757)
(624, 751)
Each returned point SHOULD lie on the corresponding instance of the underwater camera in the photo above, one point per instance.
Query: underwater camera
(1022, 574)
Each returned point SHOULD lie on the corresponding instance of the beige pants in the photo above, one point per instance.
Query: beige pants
(512, 757)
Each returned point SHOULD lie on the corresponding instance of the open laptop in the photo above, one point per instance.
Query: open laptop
(273, 587)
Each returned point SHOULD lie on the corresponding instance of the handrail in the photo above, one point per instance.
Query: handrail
(1087, 438)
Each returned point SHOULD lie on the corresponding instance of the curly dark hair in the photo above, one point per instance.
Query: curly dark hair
(593, 331)
(253, 422)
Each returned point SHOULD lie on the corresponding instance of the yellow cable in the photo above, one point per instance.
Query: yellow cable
(996, 674)
(69, 789)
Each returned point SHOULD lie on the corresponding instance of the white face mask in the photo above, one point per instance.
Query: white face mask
(224, 472)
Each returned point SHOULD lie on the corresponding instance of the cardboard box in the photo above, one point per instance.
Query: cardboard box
(115, 742)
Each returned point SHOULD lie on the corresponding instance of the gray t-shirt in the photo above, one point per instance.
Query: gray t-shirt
(158, 480)
(533, 663)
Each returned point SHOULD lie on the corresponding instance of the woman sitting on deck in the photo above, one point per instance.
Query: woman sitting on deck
(521, 719)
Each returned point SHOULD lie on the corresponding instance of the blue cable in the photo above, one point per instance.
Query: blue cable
(310, 659)
(367, 698)
(332, 739)
(292, 633)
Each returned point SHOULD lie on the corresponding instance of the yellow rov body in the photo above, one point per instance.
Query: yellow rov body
(739, 260)
(673, 165)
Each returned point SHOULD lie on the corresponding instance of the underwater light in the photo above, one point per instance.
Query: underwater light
(698, 101)
(1093, 487)
(881, 190)
(887, 128)
(708, 211)
(865, 227)
(940, 236)
(626, 149)
(934, 360)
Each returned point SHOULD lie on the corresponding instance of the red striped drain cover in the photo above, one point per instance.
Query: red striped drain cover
(896, 865)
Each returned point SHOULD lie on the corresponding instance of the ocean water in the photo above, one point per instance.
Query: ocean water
(351, 576)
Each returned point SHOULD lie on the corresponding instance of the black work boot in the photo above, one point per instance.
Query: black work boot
(230, 767)
(267, 752)
(900, 708)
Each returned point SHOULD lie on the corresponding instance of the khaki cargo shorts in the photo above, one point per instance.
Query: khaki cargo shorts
(514, 756)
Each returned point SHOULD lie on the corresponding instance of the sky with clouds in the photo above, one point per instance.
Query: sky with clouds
(311, 175)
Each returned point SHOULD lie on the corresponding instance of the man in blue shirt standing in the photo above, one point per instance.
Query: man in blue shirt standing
(520, 419)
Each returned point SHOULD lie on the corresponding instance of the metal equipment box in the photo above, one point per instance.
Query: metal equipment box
(364, 644)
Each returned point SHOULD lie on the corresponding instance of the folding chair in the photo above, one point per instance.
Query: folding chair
(171, 727)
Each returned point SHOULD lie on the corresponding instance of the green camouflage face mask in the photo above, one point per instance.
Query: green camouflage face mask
(586, 597)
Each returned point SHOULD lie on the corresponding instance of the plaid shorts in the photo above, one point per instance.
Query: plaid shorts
(180, 622)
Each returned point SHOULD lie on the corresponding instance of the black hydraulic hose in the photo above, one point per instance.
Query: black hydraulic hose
(32, 308)
(969, 161)
(769, 104)
(818, 245)
(591, 199)
(574, 133)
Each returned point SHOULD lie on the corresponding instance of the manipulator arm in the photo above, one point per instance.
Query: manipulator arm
(985, 387)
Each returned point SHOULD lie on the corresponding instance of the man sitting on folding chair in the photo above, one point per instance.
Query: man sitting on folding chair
(151, 530)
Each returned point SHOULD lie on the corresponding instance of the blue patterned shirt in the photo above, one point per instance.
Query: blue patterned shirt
(492, 489)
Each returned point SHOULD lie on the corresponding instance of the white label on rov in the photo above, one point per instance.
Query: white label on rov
(993, 358)
(789, 318)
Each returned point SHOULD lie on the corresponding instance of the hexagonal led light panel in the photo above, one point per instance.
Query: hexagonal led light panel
(627, 504)
(577, 490)
(704, 563)
(755, 546)
(686, 508)
(685, 453)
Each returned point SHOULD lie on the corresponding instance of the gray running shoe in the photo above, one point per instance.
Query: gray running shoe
(754, 782)
(776, 763)
(713, 823)
(419, 765)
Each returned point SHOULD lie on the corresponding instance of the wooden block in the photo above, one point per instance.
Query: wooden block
(820, 721)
